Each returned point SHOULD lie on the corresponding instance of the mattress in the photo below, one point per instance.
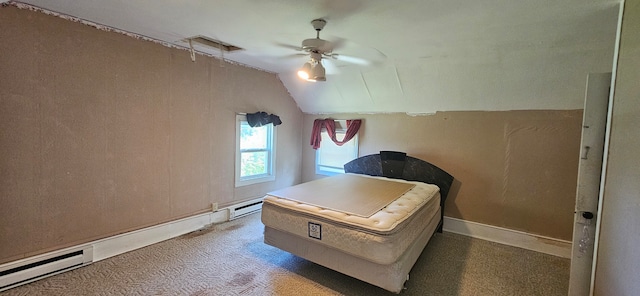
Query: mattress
(353, 194)
(381, 238)
(389, 276)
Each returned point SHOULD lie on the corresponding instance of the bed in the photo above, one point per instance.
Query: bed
(371, 223)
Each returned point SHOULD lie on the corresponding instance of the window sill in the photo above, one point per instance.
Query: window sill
(251, 181)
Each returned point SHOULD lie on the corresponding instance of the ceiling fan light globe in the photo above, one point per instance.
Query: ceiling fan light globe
(318, 73)
(304, 75)
(305, 71)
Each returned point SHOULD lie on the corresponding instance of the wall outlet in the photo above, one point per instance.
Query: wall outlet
(214, 206)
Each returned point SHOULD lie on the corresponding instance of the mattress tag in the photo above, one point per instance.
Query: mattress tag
(315, 230)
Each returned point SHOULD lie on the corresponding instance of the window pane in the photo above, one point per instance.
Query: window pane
(253, 137)
(253, 163)
(330, 158)
(255, 153)
(333, 155)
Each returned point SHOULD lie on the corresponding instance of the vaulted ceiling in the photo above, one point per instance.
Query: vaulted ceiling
(427, 55)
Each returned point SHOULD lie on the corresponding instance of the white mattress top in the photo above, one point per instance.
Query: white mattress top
(383, 221)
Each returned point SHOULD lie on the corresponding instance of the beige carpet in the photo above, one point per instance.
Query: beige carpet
(231, 259)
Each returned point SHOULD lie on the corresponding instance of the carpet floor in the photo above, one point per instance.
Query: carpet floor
(231, 259)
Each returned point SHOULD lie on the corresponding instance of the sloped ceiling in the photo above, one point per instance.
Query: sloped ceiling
(431, 55)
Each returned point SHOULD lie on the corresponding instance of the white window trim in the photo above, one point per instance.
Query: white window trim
(271, 172)
(318, 167)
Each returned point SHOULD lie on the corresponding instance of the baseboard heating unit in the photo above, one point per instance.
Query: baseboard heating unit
(32, 269)
(245, 208)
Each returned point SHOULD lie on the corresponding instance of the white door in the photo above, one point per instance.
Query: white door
(591, 148)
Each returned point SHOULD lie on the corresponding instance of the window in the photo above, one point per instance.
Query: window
(255, 152)
(330, 158)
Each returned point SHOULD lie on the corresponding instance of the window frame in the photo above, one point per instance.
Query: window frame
(271, 156)
(339, 135)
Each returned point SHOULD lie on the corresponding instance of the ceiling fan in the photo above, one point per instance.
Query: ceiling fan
(318, 49)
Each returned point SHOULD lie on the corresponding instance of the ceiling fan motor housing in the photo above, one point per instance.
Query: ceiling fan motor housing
(316, 44)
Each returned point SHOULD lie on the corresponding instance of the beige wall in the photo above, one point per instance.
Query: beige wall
(101, 133)
(515, 169)
(618, 262)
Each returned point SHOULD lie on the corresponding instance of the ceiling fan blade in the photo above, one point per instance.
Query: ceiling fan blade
(289, 46)
(354, 53)
(334, 43)
(294, 56)
(352, 60)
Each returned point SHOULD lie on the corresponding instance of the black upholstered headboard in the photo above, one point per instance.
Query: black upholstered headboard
(398, 165)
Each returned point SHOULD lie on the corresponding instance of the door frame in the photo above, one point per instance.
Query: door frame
(607, 139)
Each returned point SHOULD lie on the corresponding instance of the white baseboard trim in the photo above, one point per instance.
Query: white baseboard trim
(115, 245)
(119, 244)
(538, 243)
(122, 243)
